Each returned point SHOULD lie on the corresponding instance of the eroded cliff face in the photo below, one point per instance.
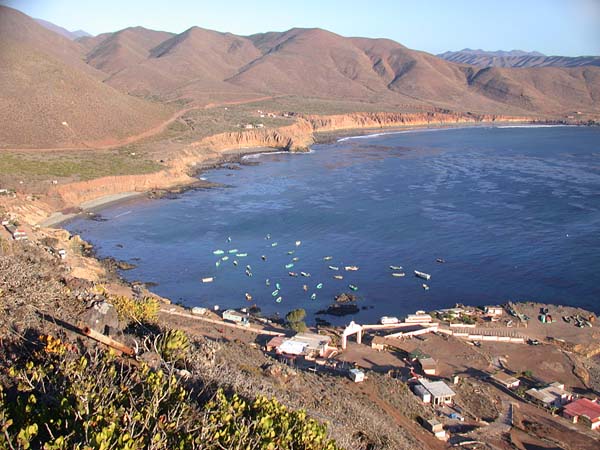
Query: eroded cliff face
(296, 137)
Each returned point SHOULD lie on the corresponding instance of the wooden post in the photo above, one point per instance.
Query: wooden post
(106, 340)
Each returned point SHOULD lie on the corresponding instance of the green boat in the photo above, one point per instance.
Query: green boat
(295, 259)
(354, 288)
(275, 293)
(241, 255)
(274, 244)
(320, 286)
(218, 252)
(218, 263)
(224, 258)
(277, 286)
(233, 250)
(289, 266)
(291, 252)
(268, 282)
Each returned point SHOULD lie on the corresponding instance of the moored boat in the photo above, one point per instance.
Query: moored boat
(385, 320)
(218, 252)
(338, 277)
(298, 243)
(289, 266)
(207, 280)
(248, 297)
(275, 293)
(334, 268)
(396, 267)
(233, 250)
(423, 275)
(320, 286)
(353, 287)
(292, 274)
(313, 296)
(425, 286)
(274, 244)
(241, 255)
(279, 299)
(305, 274)
(351, 268)
(224, 258)
(218, 263)
(327, 258)
(440, 260)
(398, 274)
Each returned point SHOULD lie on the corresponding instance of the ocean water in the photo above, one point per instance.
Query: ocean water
(514, 212)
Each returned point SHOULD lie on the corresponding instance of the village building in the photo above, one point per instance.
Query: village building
(309, 345)
(418, 317)
(494, 311)
(422, 393)
(428, 366)
(435, 427)
(506, 380)
(554, 395)
(584, 411)
(378, 343)
(16, 233)
(439, 391)
(235, 316)
(356, 375)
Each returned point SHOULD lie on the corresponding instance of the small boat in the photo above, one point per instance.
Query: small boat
(218, 252)
(233, 250)
(351, 268)
(313, 296)
(274, 244)
(248, 297)
(423, 275)
(291, 252)
(426, 287)
(268, 282)
(289, 266)
(328, 258)
(305, 287)
(268, 236)
(277, 286)
(338, 277)
(440, 260)
(241, 255)
(320, 286)
(292, 274)
(275, 293)
(278, 299)
(298, 243)
(248, 267)
(248, 273)
(218, 263)
(207, 280)
(334, 268)
(235, 263)
(353, 287)
(398, 274)
(295, 259)
(386, 320)
(305, 274)
(229, 239)
(263, 257)
(396, 267)
(224, 258)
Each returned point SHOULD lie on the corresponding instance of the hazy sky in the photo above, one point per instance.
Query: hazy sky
(553, 27)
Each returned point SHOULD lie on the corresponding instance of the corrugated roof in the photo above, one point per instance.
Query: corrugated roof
(292, 347)
(584, 407)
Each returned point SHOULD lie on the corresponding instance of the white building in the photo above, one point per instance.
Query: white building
(356, 375)
(440, 392)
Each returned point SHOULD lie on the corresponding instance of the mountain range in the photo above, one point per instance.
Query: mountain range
(62, 31)
(116, 84)
(517, 58)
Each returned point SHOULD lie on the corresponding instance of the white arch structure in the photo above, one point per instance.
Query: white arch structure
(352, 328)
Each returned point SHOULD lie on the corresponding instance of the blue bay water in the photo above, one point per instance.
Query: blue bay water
(514, 212)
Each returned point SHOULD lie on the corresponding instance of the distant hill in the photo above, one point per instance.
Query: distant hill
(62, 31)
(91, 79)
(49, 96)
(517, 58)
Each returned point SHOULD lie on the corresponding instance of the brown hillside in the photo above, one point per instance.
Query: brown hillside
(189, 64)
(116, 51)
(46, 103)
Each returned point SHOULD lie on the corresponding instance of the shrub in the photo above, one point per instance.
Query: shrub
(135, 311)
(295, 319)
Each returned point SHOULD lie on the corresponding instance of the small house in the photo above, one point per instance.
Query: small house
(435, 427)
(418, 318)
(428, 365)
(506, 380)
(584, 411)
(422, 393)
(554, 395)
(378, 343)
(356, 375)
(494, 311)
(235, 316)
(440, 392)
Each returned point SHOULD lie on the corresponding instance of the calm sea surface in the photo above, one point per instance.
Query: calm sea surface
(514, 212)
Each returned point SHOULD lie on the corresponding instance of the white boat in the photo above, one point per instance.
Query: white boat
(334, 268)
(207, 280)
(398, 274)
(338, 277)
(396, 267)
(385, 320)
(351, 268)
(298, 243)
(423, 275)
(426, 287)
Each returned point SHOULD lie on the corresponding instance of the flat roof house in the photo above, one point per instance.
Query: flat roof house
(506, 380)
(428, 365)
(554, 395)
(440, 392)
(584, 410)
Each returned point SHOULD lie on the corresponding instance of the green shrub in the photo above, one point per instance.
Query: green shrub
(295, 320)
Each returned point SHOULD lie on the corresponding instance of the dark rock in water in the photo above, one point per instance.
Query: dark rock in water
(119, 245)
(114, 264)
(345, 297)
(232, 167)
(97, 217)
(150, 284)
(102, 317)
(322, 322)
(340, 309)
(254, 309)
(249, 163)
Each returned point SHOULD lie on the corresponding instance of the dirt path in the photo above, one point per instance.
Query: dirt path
(159, 128)
(427, 439)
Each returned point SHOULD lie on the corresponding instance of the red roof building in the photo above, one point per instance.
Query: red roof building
(584, 409)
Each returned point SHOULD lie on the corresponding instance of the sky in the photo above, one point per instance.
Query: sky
(553, 27)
